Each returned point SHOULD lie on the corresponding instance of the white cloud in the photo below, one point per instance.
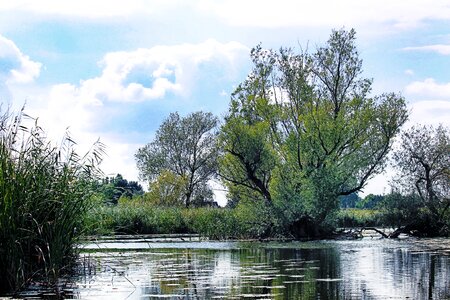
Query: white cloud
(431, 112)
(254, 13)
(428, 89)
(409, 72)
(441, 49)
(65, 109)
(151, 73)
(285, 13)
(134, 76)
(120, 158)
(16, 67)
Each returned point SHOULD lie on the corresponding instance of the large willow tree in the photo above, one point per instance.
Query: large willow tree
(304, 129)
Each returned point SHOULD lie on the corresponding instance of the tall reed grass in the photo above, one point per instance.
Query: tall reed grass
(44, 194)
(140, 217)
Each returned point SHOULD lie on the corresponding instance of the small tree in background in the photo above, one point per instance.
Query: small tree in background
(423, 163)
(167, 190)
(186, 147)
(112, 188)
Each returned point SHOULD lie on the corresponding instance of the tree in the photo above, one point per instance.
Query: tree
(371, 201)
(423, 162)
(302, 129)
(187, 148)
(167, 190)
(350, 201)
(112, 188)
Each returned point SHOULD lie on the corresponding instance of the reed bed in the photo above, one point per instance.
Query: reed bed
(44, 195)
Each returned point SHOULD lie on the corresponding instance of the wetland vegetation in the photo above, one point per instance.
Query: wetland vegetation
(302, 136)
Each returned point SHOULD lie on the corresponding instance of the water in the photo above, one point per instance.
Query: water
(155, 268)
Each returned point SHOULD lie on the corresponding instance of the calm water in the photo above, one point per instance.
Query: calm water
(362, 269)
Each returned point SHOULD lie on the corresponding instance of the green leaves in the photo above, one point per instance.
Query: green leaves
(423, 162)
(303, 129)
(45, 192)
(185, 147)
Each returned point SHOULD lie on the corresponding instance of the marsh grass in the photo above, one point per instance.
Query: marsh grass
(354, 217)
(144, 218)
(44, 194)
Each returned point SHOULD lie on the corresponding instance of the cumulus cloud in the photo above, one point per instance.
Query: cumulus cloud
(431, 103)
(431, 112)
(428, 89)
(128, 78)
(146, 74)
(16, 67)
(440, 49)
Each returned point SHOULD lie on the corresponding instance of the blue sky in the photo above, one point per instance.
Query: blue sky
(115, 69)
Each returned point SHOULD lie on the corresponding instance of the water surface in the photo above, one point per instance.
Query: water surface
(187, 268)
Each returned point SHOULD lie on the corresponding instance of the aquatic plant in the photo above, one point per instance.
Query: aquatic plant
(44, 193)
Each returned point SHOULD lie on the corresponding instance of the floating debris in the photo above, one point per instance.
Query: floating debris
(329, 279)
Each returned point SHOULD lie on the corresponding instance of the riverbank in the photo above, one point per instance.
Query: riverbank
(214, 223)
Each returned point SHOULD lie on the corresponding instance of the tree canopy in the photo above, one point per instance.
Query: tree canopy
(304, 129)
(186, 147)
(112, 188)
(423, 162)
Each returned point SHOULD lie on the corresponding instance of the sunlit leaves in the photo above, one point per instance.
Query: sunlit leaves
(311, 117)
(185, 146)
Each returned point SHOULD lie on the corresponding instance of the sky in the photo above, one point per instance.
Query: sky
(114, 70)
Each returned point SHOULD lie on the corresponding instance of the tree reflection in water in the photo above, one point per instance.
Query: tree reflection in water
(367, 269)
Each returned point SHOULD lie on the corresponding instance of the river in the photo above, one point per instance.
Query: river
(187, 268)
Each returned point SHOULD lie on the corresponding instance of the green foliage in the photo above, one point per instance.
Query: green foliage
(302, 130)
(44, 194)
(134, 217)
(215, 223)
(350, 201)
(248, 159)
(352, 217)
(110, 189)
(248, 220)
(186, 147)
(370, 202)
(167, 190)
(400, 210)
(423, 162)
(255, 219)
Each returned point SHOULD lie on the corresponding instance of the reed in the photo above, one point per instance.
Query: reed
(44, 194)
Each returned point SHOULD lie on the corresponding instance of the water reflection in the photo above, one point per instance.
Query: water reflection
(368, 269)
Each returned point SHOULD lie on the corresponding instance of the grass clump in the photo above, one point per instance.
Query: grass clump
(44, 194)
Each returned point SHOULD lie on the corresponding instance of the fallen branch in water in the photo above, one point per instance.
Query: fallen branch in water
(376, 230)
